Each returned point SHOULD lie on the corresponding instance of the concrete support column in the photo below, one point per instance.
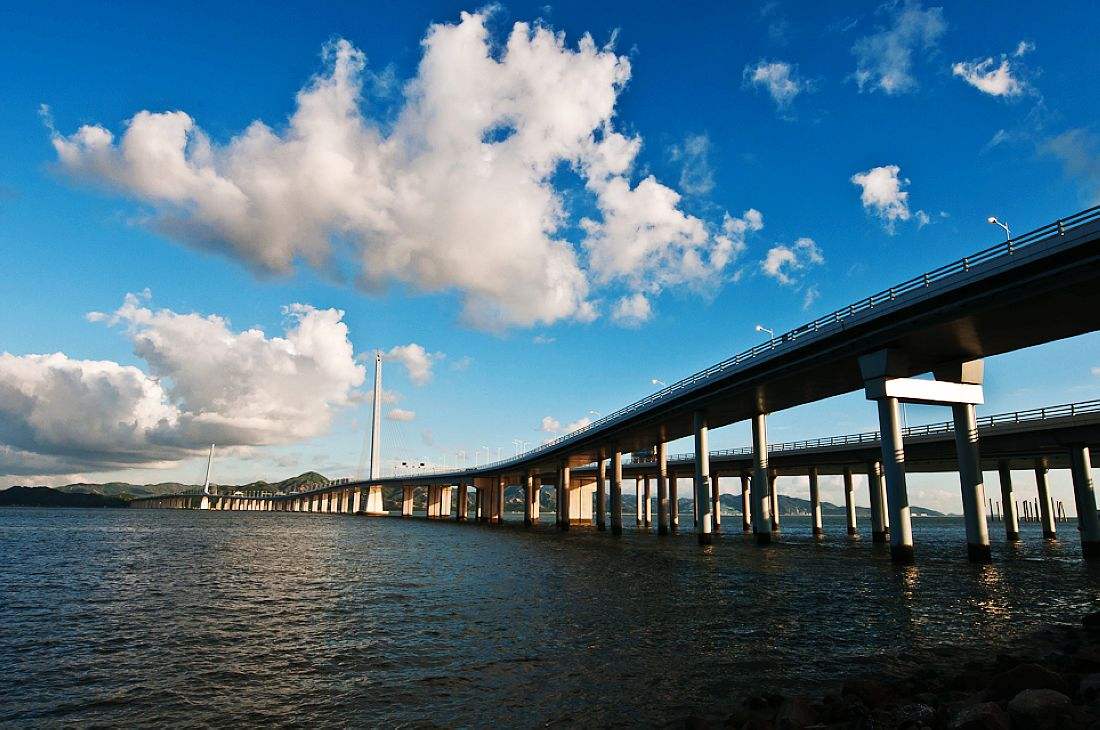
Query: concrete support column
(639, 510)
(601, 494)
(874, 489)
(536, 506)
(662, 488)
(773, 493)
(462, 503)
(746, 510)
(1049, 528)
(702, 479)
(1083, 494)
(406, 501)
(478, 498)
(970, 479)
(357, 501)
(716, 503)
(374, 501)
(673, 504)
(647, 503)
(1008, 502)
(617, 492)
(498, 514)
(850, 502)
(761, 501)
(565, 496)
(897, 493)
(815, 504)
(528, 501)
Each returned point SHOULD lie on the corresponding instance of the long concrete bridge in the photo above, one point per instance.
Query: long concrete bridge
(1036, 288)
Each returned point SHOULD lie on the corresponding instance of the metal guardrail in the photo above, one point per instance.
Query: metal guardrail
(872, 437)
(828, 323)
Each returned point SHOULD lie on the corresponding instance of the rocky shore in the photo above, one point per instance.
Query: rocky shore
(1052, 680)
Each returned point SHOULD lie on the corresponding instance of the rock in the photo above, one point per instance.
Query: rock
(983, 716)
(1026, 676)
(794, 714)
(1090, 688)
(1041, 709)
(914, 715)
(869, 691)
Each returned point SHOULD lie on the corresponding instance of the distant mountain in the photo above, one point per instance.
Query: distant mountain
(129, 491)
(46, 497)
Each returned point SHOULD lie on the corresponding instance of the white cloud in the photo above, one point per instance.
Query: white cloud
(543, 340)
(632, 311)
(811, 295)
(989, 77)
(400, 414)
(417, 361)
(1079, 152)
(882, 194)
(884, 60)
(1096, 372)
(779, 78)
(553, 425)
(418, 200)
(462, 364)
(923, 218)
(696, 175)
(782, 261)
(204, 383)
(550, 424)
(1023, 48)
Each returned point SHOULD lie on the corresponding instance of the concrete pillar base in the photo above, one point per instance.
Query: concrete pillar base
(528, 522)
(662, 529)
(1090, 550)
(706, 538)
(601, 526)
(982, 553)
(763, 538)
(880, 537)
(1050, 536)
(901, 554)
(1012, 536)
(853, 532)
(819, 532)
(616, 530)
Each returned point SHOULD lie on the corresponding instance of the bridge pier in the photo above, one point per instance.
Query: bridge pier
(761, 487)
(1050, 530)
(673, 504)
(850, 502)
(565, 489)
(536, 506)
(746, 511)
(601, 494)
(662, 487)
(406, 501)
(1085, 497)
(970, 477)
(529, 500)
(616, 492)
(899, 522)
(773, 495)
(639, 510)
(1008, 502)
(647, 504)
(498, 499)
(702, 479)
(874, 488)
(716, 503)
(815, 503)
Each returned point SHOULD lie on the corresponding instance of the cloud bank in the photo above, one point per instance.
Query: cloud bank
(204, 383)
(459, 193)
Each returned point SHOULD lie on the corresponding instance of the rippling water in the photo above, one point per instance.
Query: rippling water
(158, 616)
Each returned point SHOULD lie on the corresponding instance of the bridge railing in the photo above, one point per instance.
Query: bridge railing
(872, 437)
(829, 323)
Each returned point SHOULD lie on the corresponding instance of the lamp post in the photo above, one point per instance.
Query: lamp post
(771, 334)
(992, 220)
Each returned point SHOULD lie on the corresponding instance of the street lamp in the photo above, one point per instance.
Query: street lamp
(661, 383)
(762, 328)
(992, 220)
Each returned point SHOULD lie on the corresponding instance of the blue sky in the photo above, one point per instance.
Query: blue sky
(768, 107)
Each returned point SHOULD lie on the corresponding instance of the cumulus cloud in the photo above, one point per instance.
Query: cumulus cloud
(400, 414)
(204, 383)
(996, 79)
(882, 194)
(884, 60)
(543, 340)
(550, 424)
(421, 199)
(553, 425)
(781, 262)
(417, 361)
(696, 174)
(779, 78)
(632, 311)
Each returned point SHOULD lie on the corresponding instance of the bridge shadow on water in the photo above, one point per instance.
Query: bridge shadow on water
(187, 617)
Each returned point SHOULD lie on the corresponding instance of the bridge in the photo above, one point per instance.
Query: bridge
(1033, 289)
